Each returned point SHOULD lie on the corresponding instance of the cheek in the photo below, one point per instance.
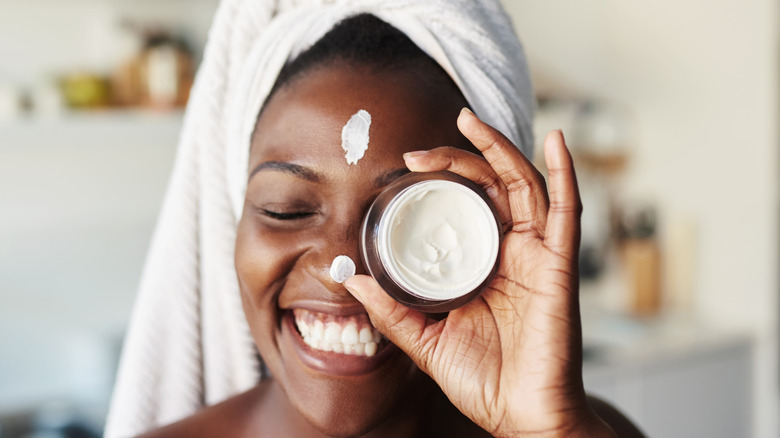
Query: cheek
(255, 260)
(261, 263)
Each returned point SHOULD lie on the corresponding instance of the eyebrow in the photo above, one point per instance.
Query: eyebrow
(310, 175)
(294, 169)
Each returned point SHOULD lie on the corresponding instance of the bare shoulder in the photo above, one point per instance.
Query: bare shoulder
(622, 426)
(232, 417)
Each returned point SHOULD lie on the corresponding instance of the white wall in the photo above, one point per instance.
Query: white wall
(72, 249)
(701, 79)
(40, 39)
(79, 200)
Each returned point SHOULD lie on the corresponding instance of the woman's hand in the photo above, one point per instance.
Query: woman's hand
(511, 360)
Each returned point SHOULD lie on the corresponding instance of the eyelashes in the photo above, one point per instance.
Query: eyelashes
(285, 216)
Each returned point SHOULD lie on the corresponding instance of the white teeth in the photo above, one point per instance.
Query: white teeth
(332, 333)
(318, 331)
(365, 335)
(351, 335)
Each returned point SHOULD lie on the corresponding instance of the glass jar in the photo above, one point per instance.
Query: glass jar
(431, 240)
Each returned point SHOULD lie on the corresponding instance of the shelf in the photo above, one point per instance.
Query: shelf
(82, 129)
(99, 116)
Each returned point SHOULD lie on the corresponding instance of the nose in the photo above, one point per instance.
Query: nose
(340, 237)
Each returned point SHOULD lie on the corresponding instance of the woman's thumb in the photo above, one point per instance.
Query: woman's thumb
(404, 327)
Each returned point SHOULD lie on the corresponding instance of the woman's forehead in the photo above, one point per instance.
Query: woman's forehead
(306, 117)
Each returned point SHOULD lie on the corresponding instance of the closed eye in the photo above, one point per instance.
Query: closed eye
(285, 216)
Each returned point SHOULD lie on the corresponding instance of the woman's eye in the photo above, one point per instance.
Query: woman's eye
(287, 216)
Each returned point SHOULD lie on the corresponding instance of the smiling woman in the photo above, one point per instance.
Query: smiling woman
(346, 359)
(294, 225)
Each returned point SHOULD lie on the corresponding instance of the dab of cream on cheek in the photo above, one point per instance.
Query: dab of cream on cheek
(439, 239)
(354, 136)
(342, 268)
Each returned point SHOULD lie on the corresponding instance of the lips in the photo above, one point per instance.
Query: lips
(336, 344)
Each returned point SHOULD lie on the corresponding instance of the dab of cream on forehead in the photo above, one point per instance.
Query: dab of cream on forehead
(354, 136)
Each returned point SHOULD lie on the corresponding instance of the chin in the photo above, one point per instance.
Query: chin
(345, 408)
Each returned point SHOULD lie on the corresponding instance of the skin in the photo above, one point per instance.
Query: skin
(507, 364)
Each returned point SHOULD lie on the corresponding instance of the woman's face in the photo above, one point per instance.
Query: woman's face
(304, 205)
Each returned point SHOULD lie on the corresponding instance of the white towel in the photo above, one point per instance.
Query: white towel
(188, 344)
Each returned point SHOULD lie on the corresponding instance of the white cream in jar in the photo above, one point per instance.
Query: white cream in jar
(432, 240)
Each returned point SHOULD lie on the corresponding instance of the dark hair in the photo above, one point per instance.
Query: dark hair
(364, 41)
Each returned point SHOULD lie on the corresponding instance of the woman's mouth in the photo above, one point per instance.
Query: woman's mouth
(352, 335)
(346, 345)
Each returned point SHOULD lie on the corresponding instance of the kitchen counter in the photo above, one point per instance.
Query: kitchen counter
(672, 376)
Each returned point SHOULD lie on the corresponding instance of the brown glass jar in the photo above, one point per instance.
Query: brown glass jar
(432, 240)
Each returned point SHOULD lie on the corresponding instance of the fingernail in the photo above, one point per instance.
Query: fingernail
(466, 110)
(414, 155)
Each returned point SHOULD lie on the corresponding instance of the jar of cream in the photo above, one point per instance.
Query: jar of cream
(432, 240)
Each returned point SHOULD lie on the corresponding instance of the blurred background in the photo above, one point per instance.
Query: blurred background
(671, 111)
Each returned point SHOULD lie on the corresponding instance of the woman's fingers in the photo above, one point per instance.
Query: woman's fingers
(408, 329)
(467, 165)
(562, 234)
(525, 185)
